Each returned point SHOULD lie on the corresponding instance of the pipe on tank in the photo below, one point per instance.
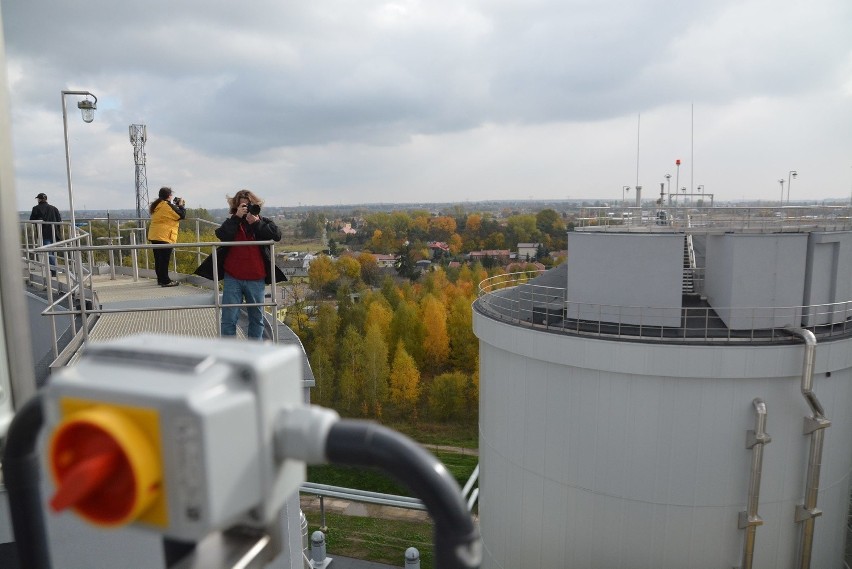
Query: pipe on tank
(814, 426)
(749, 519)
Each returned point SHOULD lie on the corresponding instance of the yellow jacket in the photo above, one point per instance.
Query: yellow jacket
(164, 223)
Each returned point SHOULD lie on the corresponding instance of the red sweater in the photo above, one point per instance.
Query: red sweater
(245, 263)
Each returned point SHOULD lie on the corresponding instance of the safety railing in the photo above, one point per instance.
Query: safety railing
(699, 219)
(512, 298)
(70, 296)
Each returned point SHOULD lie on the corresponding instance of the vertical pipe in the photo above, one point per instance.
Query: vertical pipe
(814, 426)
(749, 519)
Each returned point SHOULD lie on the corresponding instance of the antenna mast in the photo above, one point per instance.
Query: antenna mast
(138, 136)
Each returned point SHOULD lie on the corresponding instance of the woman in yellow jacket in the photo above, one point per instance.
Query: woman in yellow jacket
(165, 219)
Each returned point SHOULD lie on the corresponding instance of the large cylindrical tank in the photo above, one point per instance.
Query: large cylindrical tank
(623, 453)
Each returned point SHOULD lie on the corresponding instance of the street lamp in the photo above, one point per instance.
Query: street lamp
(781, 181)
(87, 110)
(701, 191)
(791, 175)
(677, 176)
(623, 189)
(669, 187)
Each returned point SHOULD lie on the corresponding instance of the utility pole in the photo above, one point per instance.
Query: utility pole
(138, 136)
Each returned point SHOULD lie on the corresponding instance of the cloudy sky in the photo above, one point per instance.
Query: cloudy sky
(342, 102)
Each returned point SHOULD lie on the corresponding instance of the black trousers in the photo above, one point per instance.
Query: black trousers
(162, 258)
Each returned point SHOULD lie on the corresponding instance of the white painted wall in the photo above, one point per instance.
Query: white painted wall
(756, 281)
(600, 453)
(625, 277)
(828, 277)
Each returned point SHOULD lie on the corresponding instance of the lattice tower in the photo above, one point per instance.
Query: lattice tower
(138, 136)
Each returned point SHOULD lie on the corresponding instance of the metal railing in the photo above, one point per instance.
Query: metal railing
(702, 219)
(70, 292)
(512, 298)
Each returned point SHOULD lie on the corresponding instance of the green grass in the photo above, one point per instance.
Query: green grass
(383, 540)
(377, 540)
(465, 435)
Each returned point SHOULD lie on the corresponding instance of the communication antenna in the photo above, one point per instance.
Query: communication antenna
(138, 136)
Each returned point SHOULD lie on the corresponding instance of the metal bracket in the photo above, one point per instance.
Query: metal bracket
(803, 514)
(814, 424)
(744, 521)
(753, 439)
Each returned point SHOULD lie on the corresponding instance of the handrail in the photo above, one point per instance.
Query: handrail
(72, 250)
(512, 298)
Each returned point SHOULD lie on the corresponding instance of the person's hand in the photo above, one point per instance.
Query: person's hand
(252, 218)
(242, 210)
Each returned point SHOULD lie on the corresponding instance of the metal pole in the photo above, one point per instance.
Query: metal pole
(15, 341)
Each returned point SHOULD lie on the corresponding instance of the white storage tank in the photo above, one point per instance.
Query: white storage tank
(609, 444)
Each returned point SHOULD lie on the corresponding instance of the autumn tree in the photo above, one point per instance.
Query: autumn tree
(446, 396)
(320, 273)
(376, 370)
(369, 268)
(404, 381)
(464, 346)
(379, 313)
(325, 376)
(407, 327)
(436, 343)
(351, 389)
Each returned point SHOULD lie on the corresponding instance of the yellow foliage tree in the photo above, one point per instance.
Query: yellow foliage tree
(436, 343)
(321, 272)
(404, 381)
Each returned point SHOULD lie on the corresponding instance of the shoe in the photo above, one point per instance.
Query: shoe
(171, 283)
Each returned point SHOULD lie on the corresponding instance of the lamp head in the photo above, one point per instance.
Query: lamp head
(87, 109)
(794, 173)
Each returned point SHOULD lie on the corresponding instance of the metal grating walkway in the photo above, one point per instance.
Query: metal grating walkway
(168, 314)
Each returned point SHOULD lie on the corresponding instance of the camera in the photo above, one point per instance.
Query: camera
(254, 209)
(178, 201)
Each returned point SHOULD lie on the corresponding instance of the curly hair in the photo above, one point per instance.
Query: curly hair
(233, 202)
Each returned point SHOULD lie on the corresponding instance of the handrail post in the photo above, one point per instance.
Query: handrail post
(134, 257)
(748, 520)
(216, 298)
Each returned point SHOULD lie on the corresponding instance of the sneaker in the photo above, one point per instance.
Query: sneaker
(171, 283)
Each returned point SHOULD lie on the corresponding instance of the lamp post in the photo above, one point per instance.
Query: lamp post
(791, 175)
(701, 191)
(781, 181)
(669, 187)
(623, 189)
(87, 110)
(677, 175)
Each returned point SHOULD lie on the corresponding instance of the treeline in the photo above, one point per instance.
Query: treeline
(463, 232)
(400, 351)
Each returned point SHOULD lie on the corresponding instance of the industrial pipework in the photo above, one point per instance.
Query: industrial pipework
(749, 519)
(814, 426)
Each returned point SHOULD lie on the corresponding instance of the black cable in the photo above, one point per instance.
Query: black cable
(363, 443)
(22, 477)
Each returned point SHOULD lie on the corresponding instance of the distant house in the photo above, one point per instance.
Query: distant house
(347, 229)
(528, 251)
(424, 265)
(384, 261)
(454, 265)
(293, 268)
(499, 255)
(438, 249)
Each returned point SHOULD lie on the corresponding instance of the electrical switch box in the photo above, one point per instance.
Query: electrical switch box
(173, 433)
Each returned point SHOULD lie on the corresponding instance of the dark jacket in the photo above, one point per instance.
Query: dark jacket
(46, 212)
(265, 230)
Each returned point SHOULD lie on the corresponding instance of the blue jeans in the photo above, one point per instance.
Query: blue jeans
(51, 257)
(235, 292)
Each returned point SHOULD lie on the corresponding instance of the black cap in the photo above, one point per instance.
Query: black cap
(41, 196)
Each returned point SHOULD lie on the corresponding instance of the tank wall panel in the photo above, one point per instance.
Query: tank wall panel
(748, 272)
(608, 463)
(654, 264)
(829, 276)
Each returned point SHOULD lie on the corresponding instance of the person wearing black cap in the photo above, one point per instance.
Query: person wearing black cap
(47, 213)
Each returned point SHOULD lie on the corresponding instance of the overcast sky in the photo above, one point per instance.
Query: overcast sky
(341, 102)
